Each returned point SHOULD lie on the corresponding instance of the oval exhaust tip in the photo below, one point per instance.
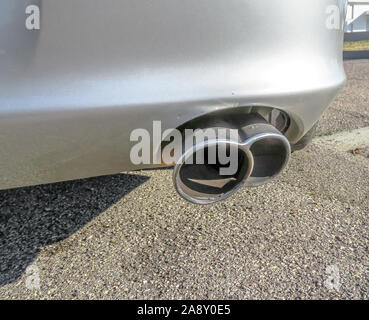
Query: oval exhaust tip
(271, 153)
(202, 176)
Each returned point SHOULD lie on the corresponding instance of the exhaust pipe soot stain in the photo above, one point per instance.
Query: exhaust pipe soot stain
(220, 183)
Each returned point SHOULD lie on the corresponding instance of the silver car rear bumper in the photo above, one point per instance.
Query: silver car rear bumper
(72, 92)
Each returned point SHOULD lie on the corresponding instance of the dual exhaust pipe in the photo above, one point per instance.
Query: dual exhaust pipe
(262, 154)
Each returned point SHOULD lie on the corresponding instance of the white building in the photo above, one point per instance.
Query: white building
(357, 19)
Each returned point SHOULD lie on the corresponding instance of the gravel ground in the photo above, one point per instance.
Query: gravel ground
(131, 236)
(350, 110)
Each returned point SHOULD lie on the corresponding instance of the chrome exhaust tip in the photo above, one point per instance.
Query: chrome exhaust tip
(271, 153)
(262, 153)
(204, 183)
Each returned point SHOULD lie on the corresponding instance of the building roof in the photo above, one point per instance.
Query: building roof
(366, 13)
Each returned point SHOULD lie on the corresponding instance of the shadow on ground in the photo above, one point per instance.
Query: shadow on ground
(33, 217)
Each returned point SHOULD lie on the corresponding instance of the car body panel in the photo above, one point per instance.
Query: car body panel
(72, 92)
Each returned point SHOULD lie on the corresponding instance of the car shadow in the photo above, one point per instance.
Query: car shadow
(34, 217)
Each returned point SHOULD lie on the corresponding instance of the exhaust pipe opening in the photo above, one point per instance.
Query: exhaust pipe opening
(204, 183)
(271, 155)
